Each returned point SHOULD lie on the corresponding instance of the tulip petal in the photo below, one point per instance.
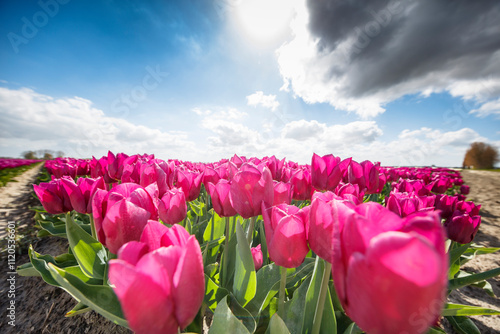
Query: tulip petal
(189, 283)
(132, 252)
(148, 308)
(152, 234)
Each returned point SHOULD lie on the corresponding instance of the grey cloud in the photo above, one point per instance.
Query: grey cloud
(400, 41)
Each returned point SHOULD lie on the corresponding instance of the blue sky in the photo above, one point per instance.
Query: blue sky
(203, 80)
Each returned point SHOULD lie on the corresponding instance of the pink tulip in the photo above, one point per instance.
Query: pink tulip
(172, 208)
(121, 214)
(282, 193)
(326, 208)
(258, 257)
(367, 176)
(81, 193)
(464, 189)
(115, 165)
(159, 280)
(153, 173)
(249, 188)
(390, 273)
(53, 197)
(446, 204)
(286, 237)
(350, 192)
(220, 198)
(405, 204)
(190, 182)
(300, 179)
(462, 227)
(441, 184)
(327, 171)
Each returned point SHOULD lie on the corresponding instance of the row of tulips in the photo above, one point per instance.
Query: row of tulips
(13, 163)
(137, 223)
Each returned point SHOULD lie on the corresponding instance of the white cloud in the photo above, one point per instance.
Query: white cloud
(267, 101)
(35, 121)
(489, 108)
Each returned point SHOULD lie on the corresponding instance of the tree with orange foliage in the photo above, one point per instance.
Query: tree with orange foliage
(480, 156)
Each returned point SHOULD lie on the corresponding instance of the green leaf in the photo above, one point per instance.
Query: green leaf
(277, 326)
(197, 207)
(463, 325)
(245, 280)
(435, 330)
(213, 293)
(455, 253)
(39, 263)
(457, 283)
(242, 314)
(263, 244)
(485, 285)
(27, 269)
(461, 310)
(100, 298)
(294, 308)
(353, 329)
(268, 279)
(90, 253)
(225, 321)
(479, 250)
(328, 322)
(228, 262)
(214, 231)
(79, 308)
(295, 275)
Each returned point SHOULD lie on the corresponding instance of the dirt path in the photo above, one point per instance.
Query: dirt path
(39, 307)
(485, 190)
(14, 197)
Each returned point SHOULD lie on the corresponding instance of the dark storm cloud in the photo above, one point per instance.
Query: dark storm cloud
(402, 41)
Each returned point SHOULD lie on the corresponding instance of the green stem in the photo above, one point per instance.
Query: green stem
(227, 232)
(250, 230)
(322, 296)
(92, 226)
(282, 293)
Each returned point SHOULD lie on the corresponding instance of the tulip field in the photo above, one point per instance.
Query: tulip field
(260, 245)
(9, 168)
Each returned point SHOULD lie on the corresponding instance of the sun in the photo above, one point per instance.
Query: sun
(264, 21)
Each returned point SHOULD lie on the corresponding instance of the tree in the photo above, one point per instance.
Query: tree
(29, 155)
(481, 156)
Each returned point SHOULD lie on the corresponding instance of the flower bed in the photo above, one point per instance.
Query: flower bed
(260, 244)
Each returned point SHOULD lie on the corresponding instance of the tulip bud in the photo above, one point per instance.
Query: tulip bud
(172, 207)
(258, 258)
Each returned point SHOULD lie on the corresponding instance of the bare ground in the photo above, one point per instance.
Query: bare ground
(40, 308)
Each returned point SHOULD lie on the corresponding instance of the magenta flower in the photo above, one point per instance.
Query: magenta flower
(172, 207)
(153, 173)
(115, 165)
(190, 182)
(464, 189)
(326, 209)
(282, 193)
(159, 280)
(446, 204)
(249, 188)
(441, 184)
(350, 192)
(390, 273)
(81, 193)
(121, 214)
(367, 176)
(462, 227)
(258, 257)
(405, 204)
(220, 198)
(286, 237)
(53, 197)
(300, 179)
(327, 171)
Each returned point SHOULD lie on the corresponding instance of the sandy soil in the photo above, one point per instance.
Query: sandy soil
(40, 308)
(485, 190)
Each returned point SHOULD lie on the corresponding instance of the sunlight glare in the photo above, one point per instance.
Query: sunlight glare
(264, 20)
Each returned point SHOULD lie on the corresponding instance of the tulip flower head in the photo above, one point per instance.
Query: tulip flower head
(159, 280)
